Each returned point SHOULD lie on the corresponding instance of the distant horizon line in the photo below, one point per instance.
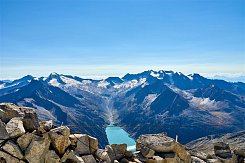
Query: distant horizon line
(223, 76)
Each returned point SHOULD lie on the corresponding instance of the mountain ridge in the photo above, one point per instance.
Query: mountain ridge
(174, 102)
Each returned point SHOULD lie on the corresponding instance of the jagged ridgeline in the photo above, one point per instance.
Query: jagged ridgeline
(169, 102)
(23, 138)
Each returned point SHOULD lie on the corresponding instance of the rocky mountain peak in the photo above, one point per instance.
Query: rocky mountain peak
(23, 138)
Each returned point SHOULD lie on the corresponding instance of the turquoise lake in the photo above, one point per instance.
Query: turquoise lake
(117, 135)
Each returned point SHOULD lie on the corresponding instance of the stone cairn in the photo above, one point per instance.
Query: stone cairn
(23, 139)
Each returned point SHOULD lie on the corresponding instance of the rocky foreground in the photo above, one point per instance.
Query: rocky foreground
(24, 139)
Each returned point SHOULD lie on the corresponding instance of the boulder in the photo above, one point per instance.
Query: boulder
(147, 152)
(222, 150)
(51, 157)
(182, 153)
(13, 149)
(60, 138)
(71, 156)
(7, 158)
(196, 160)
(25, 140)
(15, 127)
(161, 143)
(9, 111)
(88, 159)
(156, 142)
(38, 148)
(138, 156)
(3, 132)
(93, 144)
(81, 142)
(45, 126)
(102, 155)
(30, 119)
(116, 151)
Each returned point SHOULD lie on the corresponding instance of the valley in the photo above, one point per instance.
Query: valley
(190, 106)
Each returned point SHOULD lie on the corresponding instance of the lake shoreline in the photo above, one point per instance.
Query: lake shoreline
(117, 135)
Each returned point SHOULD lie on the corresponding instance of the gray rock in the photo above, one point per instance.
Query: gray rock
(38, 148)
(93, 144)
(88, 159)
(116, 151)
(147, 152)
(7, 158)
(213, 161)
(30, 119)
(236, 140)
(196, 160)
(169, 157)
(136, 160)
(160, 159)
(60, 138)
(3, 132)
(161, 143)
(102, 155)
(45, 126)
(71, 156)
(156, 142)
(51, 157)
(198, 154)
(25, 140)
(15, 127)
(156, 159)
(81, 141)
(222, 150)
(182, 153)
(13, 149)
(9, 111)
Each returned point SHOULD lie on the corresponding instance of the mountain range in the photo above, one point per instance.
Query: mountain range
(190, 106)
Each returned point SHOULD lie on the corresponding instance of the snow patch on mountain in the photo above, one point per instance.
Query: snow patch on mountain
(206, 103)
(149, 99)
(103, 84)
(190, 76)
(54, 82)
(130, 84)
(154, 74)
(70, 81)
(2, 86)
(203, 103)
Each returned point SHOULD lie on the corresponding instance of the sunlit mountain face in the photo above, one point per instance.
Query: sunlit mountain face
(191, 106)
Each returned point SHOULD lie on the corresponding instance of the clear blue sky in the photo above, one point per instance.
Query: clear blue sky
(101, 38)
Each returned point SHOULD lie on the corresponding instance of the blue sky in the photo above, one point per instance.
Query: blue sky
(102, 38)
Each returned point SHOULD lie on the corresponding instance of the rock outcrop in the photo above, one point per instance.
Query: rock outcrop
(219, 148)
(60, 138)
(165, 148)
(24, 140)
(4, 133)
(15, 127)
